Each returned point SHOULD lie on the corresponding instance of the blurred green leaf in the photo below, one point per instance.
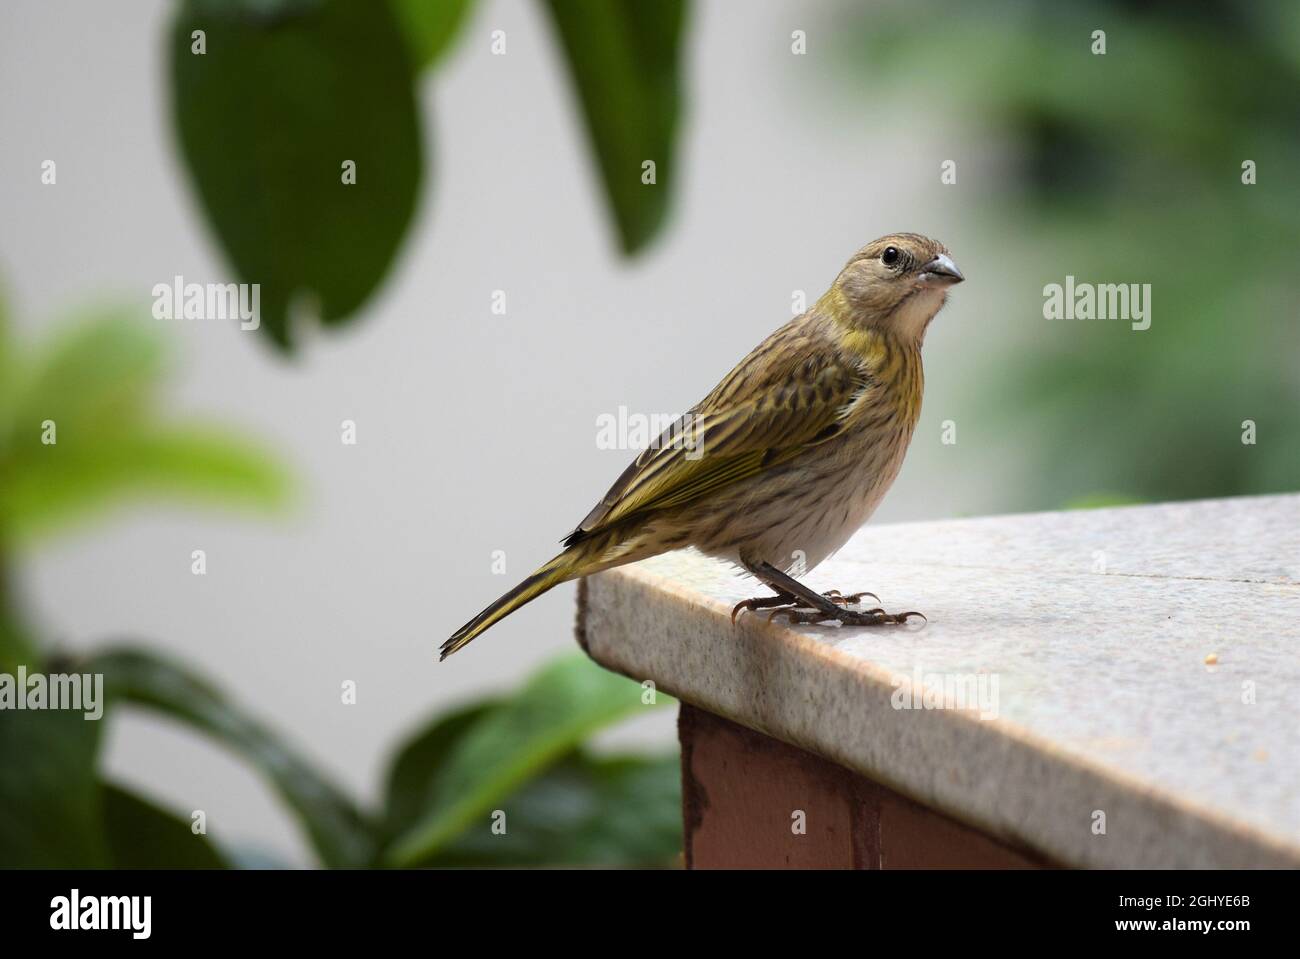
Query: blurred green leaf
(338, 831)
(8, 367)
(494, 755)
(624, 59)
(142, 835)
(416, 763)
(79, 475)
(54, 811)
(17, 645)
(50, 812)
(98, 385)
(430, 26)
(266, 119)
(584, 811)
(100, 374)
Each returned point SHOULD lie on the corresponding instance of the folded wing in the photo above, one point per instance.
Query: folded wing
(765, 412)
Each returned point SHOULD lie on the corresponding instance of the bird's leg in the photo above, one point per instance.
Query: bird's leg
(782, 598)
(807, 597)
(815, 607)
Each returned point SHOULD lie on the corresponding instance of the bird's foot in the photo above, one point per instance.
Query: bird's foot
(803, 605)
(793, 606)
(834, 596)
(761, 602)
(800, 612)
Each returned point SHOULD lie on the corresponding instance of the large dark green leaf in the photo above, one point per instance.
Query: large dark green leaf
(17, 646)
(583, 811)
(142, 835)
(501, 749)
(624, 57)
(54, 811)
(267, 117)
(414, 771)
(50, 813)
(337, 829)
(430, 26)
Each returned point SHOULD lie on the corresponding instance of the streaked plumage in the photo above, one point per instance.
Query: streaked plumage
(791, 453)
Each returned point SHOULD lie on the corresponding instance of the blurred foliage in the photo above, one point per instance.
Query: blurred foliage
(267, 118)
(51, 810)
(338, 832)
(584, 811)
(623, 57)
(79, 430)
(280, 95)
(430, 27)
(141, 835)
(1126, 168)
(286, 91)
(521, 756)
(98, 386)
(453, 775)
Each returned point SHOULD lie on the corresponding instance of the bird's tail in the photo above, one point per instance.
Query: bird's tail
(570, 564)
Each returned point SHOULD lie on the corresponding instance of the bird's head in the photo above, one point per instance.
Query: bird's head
(895, 284)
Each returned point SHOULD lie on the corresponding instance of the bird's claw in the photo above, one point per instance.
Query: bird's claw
(848, 617)
(761, 602)
(797, 610)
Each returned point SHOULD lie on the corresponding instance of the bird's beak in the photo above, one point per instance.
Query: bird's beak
(942, 270)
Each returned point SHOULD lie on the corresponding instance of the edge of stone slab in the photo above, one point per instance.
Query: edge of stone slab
(1199, 501)
(1213, 839)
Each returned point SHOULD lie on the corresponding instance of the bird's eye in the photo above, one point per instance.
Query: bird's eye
(890, 256)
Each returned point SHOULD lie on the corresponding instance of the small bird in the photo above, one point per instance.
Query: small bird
(788, 456)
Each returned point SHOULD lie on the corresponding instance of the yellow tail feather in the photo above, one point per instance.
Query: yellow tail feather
(568, 565)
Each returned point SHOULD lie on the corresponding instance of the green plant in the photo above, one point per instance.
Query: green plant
(522, 754)
(78, 434)
(273, 98)
(299, 124)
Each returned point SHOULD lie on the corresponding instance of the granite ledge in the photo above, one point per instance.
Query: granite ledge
(1106, 700)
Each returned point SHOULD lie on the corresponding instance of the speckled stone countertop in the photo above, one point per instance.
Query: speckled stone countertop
(1119, 686)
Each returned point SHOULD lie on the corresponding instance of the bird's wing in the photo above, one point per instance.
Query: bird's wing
(766, 411)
